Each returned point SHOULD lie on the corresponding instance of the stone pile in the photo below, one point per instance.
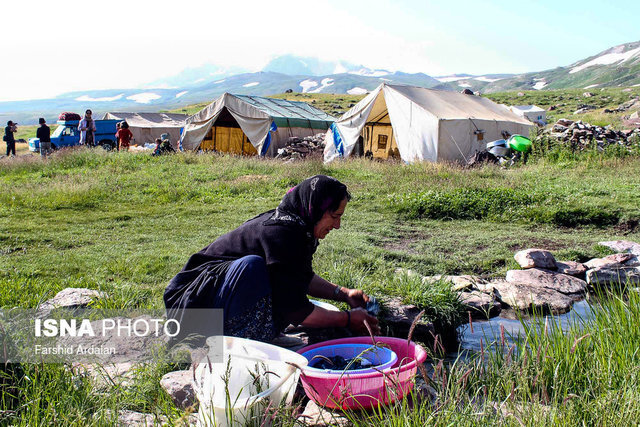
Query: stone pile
(581, 135)
(545, 284)
(300, 148)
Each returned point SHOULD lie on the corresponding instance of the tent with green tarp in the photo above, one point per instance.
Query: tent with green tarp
(249, 125)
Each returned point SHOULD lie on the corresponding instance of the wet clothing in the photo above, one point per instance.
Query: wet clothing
(281, 241)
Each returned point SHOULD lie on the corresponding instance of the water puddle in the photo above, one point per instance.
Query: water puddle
(489, 331)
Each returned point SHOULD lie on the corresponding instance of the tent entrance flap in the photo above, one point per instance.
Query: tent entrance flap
(379, 141)
(225, 135)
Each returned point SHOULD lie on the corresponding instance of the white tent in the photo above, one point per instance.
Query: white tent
(417, 124)
(243, 124)
(533, 113)
(146, 127)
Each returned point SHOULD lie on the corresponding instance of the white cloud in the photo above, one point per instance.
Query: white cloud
(486, 79)
(251, 84)
(179, 94)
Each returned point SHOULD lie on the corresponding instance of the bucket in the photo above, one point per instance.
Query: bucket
(252, 375)
(377, 358)
(367, 390)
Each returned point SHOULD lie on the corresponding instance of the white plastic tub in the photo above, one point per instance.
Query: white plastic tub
(237, 391)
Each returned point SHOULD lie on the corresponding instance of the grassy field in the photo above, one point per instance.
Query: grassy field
(125, 223)
(567, 101)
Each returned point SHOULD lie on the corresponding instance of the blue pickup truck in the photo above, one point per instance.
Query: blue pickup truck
(68, 135)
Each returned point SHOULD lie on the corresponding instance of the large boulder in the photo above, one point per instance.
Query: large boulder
(532, 258)
(480, 305)
(70, 298)
(537, 278)
(532, 298)
(179, 386)
(572, 268)
(623, 246)
(610, 261)
(399, 317)
(614, 276)
(564, 122)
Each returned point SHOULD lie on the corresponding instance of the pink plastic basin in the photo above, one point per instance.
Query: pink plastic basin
(367, 390)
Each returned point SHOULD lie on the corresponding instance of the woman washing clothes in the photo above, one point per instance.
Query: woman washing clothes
(261, 272)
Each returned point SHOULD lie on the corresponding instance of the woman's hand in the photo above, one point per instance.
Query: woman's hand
(355, 297)
(357, 323)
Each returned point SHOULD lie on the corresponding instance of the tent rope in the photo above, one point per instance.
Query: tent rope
(457, 146)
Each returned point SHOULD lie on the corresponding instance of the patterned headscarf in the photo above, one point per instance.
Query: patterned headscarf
(308, 201)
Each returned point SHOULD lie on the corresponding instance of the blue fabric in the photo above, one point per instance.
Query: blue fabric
(337, 139)
(246, 282)
(267, 141)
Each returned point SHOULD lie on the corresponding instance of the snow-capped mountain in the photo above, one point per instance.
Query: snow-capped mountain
(618, 66)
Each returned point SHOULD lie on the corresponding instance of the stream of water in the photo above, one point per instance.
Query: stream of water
(489, 330)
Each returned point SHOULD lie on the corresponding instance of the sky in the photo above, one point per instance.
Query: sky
(51, 47)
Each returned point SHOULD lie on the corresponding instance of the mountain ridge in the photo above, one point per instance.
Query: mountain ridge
(616, 66)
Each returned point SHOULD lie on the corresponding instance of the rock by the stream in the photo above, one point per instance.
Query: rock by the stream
(572, 268)
(537, 278)
(178, 384)
(615, 260)
(531, 258)
(480, 304)
(486, 288)
(623, 246)
(532, 298)
(70, 298)
(314, 415)
(614, 276)
(400, 316)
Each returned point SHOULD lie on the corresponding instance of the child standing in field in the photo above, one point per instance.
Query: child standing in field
(124, 136)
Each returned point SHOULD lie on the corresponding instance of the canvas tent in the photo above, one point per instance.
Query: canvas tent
(416, 124)
(250, 125)
(146, 127)
(533, 113)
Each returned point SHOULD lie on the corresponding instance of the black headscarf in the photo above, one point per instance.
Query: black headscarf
(305, 203)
